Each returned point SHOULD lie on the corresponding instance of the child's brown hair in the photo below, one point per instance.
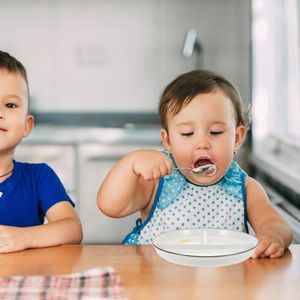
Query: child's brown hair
(12, 65)
(184, 88)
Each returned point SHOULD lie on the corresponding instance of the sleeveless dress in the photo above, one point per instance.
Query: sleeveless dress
(180, 204)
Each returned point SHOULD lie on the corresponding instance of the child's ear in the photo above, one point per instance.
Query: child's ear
(29, 123)
(240, 135)
(165, 139)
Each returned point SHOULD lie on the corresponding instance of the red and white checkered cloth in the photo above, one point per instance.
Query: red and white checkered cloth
(99, 283)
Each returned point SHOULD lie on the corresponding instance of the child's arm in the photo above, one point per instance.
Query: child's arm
(130, 184)
(272, 231)
(63, 227)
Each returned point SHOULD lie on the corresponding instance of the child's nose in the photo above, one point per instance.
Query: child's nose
(202, 143)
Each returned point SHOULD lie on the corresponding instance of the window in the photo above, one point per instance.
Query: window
(276, 88)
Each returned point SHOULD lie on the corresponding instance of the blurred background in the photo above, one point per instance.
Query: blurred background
(96, 70)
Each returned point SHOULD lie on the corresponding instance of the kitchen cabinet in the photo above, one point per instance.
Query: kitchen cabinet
(82, 157)
(95, 160)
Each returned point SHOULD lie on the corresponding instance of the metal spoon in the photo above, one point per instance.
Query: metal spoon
(198, 170)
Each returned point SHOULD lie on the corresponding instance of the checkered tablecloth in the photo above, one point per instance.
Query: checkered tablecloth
(99, 283)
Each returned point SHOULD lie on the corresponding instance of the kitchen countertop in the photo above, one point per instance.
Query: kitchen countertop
(48, 134)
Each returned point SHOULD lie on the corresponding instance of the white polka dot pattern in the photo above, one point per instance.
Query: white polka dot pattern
(196, 207)
(184, 205)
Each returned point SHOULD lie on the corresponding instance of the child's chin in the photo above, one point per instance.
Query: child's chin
(205, 180)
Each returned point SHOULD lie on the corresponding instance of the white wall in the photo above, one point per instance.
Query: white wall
(118, 55)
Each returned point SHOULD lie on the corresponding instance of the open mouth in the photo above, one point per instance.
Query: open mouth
(202, 162)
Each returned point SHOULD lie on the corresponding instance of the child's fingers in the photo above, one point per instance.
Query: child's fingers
(260, 249)
(148, 175)
(169, 166)
(166, 168)
(266, 249)
(156, 171)
(273, 248)
(161, 170)
(277, 254)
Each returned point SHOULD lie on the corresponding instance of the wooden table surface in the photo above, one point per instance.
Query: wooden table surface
(144, 275)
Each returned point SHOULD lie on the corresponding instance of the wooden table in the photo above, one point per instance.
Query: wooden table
(145, 275)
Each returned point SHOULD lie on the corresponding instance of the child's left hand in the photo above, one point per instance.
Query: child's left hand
(268, 246)
(12, 239)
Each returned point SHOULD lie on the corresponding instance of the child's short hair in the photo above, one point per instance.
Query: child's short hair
(12, 65)
(184, 88)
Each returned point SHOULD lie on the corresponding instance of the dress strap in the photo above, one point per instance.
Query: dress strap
(233, 181)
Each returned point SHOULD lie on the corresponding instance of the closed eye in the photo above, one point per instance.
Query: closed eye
(216, 132)
(187, 133)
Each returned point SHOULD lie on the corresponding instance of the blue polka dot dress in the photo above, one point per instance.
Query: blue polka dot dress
(180, 204)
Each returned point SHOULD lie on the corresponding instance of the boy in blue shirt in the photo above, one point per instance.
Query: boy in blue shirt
(28, 192)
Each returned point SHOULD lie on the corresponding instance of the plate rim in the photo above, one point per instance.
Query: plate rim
(205, 256)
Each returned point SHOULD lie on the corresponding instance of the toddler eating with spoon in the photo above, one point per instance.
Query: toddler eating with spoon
(203, 126)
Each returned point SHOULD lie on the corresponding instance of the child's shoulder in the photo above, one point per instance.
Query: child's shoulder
(29, 167)
(252, 182)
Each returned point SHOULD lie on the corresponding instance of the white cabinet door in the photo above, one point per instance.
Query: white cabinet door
(95, 162)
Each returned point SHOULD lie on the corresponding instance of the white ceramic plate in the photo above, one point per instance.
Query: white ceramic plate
(205, 247)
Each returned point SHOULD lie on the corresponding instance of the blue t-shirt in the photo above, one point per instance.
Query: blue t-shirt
(28, 193)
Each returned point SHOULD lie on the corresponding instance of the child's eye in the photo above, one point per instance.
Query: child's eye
(216, 132)
(187, 133)
(10, 105)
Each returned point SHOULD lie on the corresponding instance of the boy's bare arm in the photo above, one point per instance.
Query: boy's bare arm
(63, 227)
(129, 185)
(272, 231)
